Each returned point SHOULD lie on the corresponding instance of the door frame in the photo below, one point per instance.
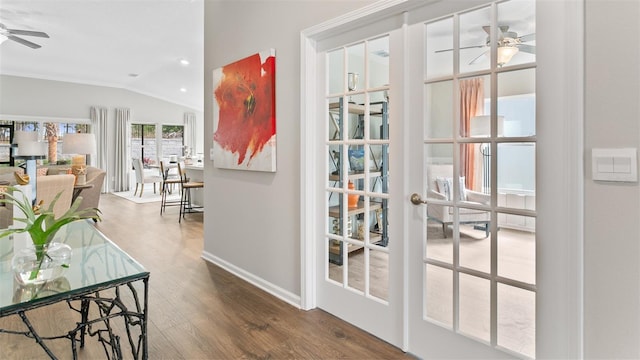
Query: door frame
(561, 110)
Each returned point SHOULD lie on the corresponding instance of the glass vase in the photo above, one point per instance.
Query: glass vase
(36, 265)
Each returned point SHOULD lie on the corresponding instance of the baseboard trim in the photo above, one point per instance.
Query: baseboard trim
(280, 293)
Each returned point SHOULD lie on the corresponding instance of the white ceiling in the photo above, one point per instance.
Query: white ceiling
(102, 42)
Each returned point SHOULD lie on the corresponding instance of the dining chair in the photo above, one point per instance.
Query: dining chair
(185, 193)
(142, 178)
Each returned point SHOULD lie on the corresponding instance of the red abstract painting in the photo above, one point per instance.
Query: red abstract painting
(244, 114)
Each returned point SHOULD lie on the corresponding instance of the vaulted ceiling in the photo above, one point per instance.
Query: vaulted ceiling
(136, 45)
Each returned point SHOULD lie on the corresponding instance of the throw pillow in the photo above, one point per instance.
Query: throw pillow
(444, 187)
(42, 171)
(463, 189)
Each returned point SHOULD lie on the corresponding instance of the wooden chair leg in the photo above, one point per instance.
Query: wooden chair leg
(141, 189)
(136, 191)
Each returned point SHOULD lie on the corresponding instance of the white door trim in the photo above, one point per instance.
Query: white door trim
(560, 220)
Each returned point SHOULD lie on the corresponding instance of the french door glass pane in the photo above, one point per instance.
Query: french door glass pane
(516, 175)
(355, 67)
(524, 33)
(517, 103)
(474, 53)
(438, 110)
(517, 319)
(475, 245)
(475, 117)
(475, 172)
(517, 248)
(475, 306)
(378, 62)
(438, 304)
(379, 274)
(439, 170)
(439, 48)
(335, 62)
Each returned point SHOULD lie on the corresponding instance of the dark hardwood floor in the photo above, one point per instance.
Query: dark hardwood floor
(199, 311)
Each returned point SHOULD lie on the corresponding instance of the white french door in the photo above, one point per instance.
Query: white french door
(473, 244)
(358, 273)
(488, 137)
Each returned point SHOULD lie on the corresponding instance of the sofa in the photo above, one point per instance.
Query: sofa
(90, 196)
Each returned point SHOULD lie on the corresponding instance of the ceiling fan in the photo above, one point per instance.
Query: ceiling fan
(11, 35)
(509, 44)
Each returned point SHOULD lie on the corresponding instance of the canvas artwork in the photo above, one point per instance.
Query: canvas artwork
(244, 113)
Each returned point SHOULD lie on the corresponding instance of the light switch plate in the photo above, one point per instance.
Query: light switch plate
(614, 164)
(211, 154)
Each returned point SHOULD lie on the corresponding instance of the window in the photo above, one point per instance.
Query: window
(172, 141)
(143, 143)
(51, 133)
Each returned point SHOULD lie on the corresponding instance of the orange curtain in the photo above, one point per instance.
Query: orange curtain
(471, 104)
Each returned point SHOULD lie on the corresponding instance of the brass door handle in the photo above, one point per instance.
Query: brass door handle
(416, 199)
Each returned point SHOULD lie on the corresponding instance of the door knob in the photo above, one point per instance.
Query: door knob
(416, 199)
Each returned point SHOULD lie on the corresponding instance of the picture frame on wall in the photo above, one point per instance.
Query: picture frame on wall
(244, 113)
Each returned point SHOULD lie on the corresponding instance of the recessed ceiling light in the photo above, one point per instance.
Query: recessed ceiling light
(184, 62)
(183, 89)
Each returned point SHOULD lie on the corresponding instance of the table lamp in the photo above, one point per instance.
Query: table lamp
(29, 149)
(79, 144)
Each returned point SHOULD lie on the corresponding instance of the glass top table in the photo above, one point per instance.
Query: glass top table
(101, 285)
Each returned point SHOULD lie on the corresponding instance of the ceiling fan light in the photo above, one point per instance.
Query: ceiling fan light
(505, 53)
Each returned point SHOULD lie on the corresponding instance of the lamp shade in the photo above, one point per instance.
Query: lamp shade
(31, 148)
(79, 143)
(22, 136)
(28, 144)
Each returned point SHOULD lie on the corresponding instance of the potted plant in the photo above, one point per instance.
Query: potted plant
(47, 259)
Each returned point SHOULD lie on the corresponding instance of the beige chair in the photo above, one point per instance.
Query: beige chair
(47, 187)
(142, 178)
(440, 188)
(91, 196)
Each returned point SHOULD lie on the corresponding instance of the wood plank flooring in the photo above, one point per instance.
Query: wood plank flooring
(199, 311)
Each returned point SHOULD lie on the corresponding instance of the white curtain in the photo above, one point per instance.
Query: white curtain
(123, 127)
(98, 116)
(190, 131)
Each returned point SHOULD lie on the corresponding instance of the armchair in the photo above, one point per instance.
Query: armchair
(49, 186)
(91, 196)
(439, 181)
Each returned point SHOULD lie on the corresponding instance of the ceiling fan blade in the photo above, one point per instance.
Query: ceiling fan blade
(477, 58)
(462, 48)
(527, 48)
(528, 37)
(23, 41)
(28, 33)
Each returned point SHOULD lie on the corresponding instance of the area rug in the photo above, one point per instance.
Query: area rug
(147, 196)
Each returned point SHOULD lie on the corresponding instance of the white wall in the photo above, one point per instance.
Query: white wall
(612, 210)
(45, 98)
(252, 220)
